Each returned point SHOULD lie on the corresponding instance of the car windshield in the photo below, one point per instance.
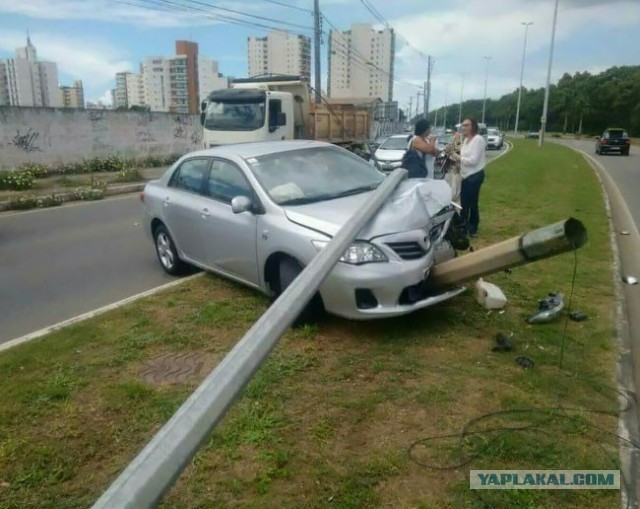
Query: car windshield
(234, 116)
(395, 143)
(493, 132)
(617, 133)
(312, 175)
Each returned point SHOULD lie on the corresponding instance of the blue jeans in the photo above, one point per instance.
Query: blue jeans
(469, 198)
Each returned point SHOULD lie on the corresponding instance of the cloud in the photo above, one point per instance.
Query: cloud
(93, 61)
(460, 36)
(154, 15)
(105, 98)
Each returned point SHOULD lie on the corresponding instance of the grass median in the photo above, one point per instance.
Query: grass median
(329, 420)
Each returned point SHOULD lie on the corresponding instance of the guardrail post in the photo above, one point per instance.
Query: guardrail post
(155, 469)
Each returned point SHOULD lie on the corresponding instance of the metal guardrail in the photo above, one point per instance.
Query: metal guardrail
(151, 474)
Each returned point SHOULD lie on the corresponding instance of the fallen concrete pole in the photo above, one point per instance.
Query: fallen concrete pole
(545, 242)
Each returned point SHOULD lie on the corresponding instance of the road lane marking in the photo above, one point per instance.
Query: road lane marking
(85, 316)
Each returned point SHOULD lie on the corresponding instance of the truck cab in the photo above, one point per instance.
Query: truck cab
(245, 115)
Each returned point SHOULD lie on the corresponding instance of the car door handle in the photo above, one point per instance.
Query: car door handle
(205, 212)
(166, 201)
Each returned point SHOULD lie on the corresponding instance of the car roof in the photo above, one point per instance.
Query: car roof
(258, 148)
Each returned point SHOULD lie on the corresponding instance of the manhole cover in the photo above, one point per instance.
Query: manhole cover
(172, 368)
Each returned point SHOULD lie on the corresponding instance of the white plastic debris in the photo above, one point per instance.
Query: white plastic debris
(489, 295)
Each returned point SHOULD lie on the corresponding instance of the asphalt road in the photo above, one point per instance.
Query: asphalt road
(58, 263)
(625, 171)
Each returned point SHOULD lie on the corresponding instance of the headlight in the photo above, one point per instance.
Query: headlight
(357, 253)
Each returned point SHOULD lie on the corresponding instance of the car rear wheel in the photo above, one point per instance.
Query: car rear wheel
(166, 251)
(312, 313)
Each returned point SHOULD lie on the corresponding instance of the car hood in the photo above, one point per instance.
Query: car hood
(410, 207)
(389, 155)
(493, 137)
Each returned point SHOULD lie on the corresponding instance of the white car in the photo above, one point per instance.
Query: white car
(494, 139)
(389, 155)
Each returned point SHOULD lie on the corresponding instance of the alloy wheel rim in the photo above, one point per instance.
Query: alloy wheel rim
(163, 245)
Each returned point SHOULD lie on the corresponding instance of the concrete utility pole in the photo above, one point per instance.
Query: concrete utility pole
(435, 119)
(545, 108)
(317, 40)
(424, 98)
(418, 104)
(486, 78)
(410, 107)
(524, 52)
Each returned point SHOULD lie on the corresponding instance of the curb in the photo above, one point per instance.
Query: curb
(86, 316)
(68, 197)
(624, 250)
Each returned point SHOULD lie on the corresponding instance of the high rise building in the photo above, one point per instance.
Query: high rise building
(361, 63)
(280, 53)
(190, 51)
(73, 96)
(209, 78)
(26, 81)
(166, 84)
(129, 90)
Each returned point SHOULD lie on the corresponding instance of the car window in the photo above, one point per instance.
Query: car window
(226, 182)
(189, 175)
(615, 133)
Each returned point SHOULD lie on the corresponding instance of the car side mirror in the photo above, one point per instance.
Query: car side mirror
(241, 204)
(202, 115)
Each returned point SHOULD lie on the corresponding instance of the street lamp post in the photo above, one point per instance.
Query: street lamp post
(486, 78)
(461, 94)
(524, 52)
(545, 108)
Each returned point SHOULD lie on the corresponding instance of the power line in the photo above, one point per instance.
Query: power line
(380, 18)
(288, 5)
(169, 6)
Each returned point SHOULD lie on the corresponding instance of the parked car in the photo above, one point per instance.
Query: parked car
(258, 213)
(390, 153)
(532, 135)
(613, 140)
(444, 140)
(494, 139)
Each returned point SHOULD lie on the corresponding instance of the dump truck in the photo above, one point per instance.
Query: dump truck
(280, 108)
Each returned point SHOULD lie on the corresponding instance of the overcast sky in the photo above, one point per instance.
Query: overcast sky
(93, 39)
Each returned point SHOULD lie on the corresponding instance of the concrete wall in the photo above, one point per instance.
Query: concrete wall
(51, 135)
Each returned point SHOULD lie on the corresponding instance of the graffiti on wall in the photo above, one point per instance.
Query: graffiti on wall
(183, 129)
(27, 141)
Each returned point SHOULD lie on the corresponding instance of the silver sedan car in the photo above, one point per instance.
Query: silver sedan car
(258, 213)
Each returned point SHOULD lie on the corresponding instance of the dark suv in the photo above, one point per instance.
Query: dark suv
(613, 140)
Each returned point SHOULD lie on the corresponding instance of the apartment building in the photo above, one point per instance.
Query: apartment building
(27, 81)
(209, 77)
(280, 53)
(129, 90)
(190, 51)
(165, 84)
(361, 63)
(73, 96)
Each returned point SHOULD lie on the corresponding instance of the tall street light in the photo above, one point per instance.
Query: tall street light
(524, 52)
(461, 94)
(486, 78)
(545, 108)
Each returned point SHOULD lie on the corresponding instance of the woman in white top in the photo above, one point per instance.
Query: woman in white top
(472, 162)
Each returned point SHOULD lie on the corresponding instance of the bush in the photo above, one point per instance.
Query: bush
(49, 201)
(169, 160)
(129, 175)
(37, 171)
(24, 202)
(87, 194)
(15, 180)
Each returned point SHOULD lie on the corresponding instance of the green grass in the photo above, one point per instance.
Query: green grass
(328, 420)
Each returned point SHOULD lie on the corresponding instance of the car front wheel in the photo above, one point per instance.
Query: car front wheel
(166, 251)
(289, 270)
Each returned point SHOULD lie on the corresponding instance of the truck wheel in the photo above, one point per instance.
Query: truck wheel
(314, 310)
